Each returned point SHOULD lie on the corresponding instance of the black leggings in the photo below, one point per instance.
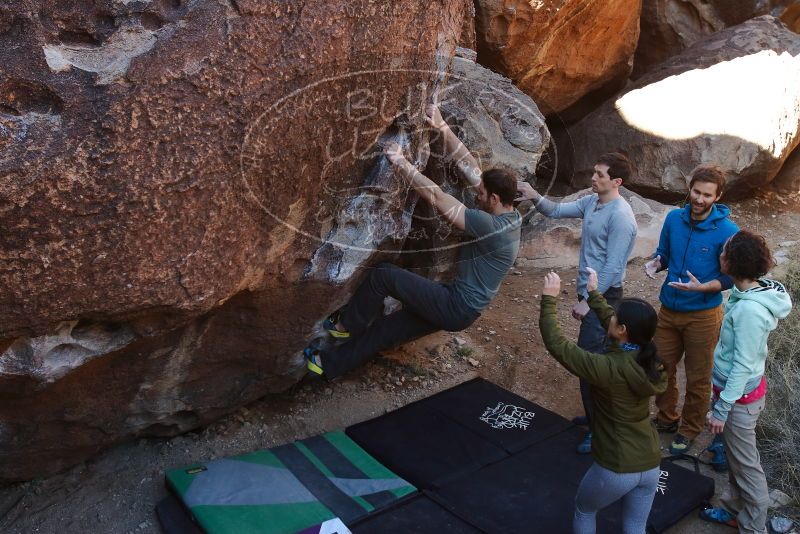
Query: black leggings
(428, 307)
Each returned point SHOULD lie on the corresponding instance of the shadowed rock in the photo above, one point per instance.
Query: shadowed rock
(668, 27)
(730, 100)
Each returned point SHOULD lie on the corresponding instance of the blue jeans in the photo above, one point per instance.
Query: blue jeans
(592, 338)
(601, 487)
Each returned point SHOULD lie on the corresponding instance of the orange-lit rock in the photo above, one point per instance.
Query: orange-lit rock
(557, 51)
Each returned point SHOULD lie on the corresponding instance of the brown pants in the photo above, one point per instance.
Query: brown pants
(694, 334)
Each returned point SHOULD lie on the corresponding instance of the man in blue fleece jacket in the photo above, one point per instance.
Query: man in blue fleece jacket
(691, 301)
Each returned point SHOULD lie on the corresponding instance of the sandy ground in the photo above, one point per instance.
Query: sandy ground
(116, 491)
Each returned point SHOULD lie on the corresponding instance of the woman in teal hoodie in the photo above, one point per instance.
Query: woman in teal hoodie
(753, 310)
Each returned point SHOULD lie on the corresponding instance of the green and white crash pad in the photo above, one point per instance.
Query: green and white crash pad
(287, 489)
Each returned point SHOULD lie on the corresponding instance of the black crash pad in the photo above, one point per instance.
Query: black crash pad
(455, 432)
(417, 515)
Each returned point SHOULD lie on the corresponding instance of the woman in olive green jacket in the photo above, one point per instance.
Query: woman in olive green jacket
(625, 446)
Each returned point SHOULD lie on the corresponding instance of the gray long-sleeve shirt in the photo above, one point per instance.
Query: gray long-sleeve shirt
(608, 236)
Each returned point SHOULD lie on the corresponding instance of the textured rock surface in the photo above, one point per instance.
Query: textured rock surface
(670, 26)
(169, 172)
(502, 127)
(731, 99)
(557, 51)
(555, 243)
(788, 179)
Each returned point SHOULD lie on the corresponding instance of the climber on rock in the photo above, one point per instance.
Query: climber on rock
(428, 306)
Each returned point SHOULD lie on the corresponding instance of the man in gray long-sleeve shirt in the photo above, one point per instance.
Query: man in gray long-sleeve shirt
(607, 239)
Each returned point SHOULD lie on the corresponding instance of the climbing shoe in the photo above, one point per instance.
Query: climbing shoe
(313, 360)
(719, 460)
(667, 428)
(585, 446)
(680, 445)
(719, 515)
(329, 324)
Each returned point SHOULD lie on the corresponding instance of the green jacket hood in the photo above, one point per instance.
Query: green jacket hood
(637, 379)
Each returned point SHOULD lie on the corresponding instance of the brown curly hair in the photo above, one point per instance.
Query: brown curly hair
(747, 256)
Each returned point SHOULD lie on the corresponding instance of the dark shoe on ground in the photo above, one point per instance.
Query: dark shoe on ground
(719, 515)
(313, 360)
(580, 420)
(329, 324)
(680, 445)
(719, 460)
(667, 428)
(585, 446)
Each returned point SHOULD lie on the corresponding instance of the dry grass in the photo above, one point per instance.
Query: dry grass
(779, 425)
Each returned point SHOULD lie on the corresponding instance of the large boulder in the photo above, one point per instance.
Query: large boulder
(558, 51)
(731, 99)
(668, 27)
(555, 243)
(187, 189)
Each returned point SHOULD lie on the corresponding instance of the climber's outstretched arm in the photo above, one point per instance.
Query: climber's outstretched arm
(450, 208)
(454, 148)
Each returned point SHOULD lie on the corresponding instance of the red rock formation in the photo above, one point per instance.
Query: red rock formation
(557, 51)
(168, 174)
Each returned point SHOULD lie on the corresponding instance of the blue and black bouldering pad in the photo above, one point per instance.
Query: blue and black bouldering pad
(455, 432)
(287, 489)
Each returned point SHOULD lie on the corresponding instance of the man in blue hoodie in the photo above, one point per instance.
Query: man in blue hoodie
(691, 302)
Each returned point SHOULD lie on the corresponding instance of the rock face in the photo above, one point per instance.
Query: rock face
(557, 51)
(172, 176)
(555, 243)
(668, 27)
(788, 179)
(731, 100)
(502, 127)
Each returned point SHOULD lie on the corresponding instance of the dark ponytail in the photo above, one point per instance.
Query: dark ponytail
(640, 321)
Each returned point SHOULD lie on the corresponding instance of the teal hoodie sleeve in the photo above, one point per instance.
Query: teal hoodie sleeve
(750, 329)
(594, 368)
